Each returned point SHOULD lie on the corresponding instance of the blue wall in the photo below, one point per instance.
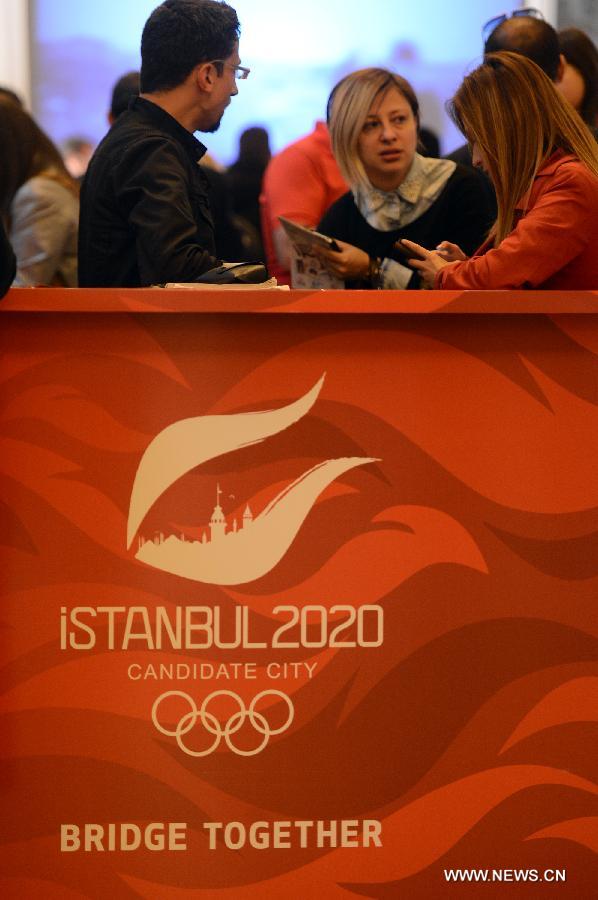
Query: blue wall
(297, 51)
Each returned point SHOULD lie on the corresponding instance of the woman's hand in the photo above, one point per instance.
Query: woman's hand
(451, 252)
(349, 263)
(428, 262)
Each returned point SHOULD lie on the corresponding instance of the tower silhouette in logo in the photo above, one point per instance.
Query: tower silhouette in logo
(218, 524)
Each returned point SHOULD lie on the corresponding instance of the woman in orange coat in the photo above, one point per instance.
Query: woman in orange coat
(543, 162)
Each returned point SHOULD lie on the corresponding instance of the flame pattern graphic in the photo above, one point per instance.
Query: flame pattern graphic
(471, 733)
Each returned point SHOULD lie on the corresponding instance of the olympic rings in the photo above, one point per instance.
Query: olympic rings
(213, 726)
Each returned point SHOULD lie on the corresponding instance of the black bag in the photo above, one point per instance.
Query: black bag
(235, 273)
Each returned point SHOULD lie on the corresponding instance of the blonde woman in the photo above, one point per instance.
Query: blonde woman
(543, 162)
(39, 201)
(395, 193)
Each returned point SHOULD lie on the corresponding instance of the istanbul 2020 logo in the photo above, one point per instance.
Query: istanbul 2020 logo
(230, 557)
(240, 555)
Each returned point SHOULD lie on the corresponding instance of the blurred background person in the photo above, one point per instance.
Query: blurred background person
(543, 162)
(244, 180)
(579, 82)
(395, 191)
(526, 32)
(300, 183)
(39, 201)
(8, 263)
(76, 153)
(429, 142)
(124, 90)
(234, 240)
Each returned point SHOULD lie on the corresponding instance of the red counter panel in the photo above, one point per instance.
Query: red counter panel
(298, 606)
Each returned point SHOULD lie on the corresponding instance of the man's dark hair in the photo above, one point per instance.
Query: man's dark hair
(181, 34)
(8, 94)
(533, 38)
(125, 88)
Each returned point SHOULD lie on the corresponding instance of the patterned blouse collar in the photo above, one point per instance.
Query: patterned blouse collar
(389, 210)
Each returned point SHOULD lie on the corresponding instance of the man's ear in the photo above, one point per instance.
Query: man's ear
(561, 69)
(205, 76)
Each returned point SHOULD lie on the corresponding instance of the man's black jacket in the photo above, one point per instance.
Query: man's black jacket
(145, 213)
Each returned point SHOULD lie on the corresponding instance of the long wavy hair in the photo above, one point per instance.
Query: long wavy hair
(348, 108)
(26, 151)
(512, 110)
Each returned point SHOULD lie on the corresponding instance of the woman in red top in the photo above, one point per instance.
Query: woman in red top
(543, 162)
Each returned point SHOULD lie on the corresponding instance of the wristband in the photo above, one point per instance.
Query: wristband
(374, 272)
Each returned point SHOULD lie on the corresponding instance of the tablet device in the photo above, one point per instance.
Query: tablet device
(306, 237)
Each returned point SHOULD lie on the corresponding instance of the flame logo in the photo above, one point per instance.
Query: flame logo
(245, 555)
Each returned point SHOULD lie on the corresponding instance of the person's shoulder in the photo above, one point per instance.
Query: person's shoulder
(450, 175)
(44, 188)
(462, 156)
(344, 204)
(473, 181)
(288, 159)
(341, 213)
(124, 125)
(139, 145)
(570, 165)
(465, 174)
(309, 143)
(569, 172)
(43, 199)
(134, 129)
(566, 180)
(309, 147)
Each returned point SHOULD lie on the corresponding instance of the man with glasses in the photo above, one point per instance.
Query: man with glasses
(145, 211)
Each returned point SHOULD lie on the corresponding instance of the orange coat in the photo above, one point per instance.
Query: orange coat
(554, 245)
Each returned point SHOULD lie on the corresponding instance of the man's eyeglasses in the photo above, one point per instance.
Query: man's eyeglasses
(491, 24)
(241, 72)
